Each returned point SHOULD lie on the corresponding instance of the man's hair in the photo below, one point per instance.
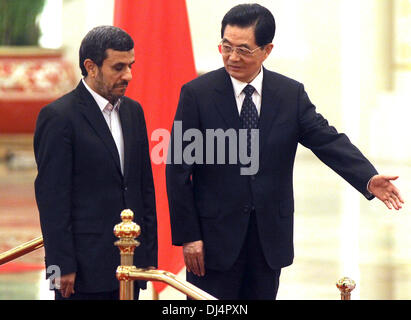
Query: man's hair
(247, 15)
(98, 40)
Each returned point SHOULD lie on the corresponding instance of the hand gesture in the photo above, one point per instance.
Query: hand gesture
(381, 187)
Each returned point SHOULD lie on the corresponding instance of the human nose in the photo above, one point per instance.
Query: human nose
(234, 56)
(127, 74)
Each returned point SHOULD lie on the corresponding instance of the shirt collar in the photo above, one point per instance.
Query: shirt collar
(257, 83)
(101, 101)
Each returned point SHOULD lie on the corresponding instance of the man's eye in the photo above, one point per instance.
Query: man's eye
(243, 51)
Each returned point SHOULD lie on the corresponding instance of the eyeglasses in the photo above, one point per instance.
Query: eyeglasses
(226, 49)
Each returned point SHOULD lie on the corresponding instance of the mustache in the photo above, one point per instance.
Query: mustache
(121, 84)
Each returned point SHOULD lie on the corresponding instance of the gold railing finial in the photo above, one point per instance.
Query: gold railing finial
(126, 231)
(345, 285)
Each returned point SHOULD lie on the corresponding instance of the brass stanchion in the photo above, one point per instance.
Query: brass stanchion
(126, 231)
(345, 285)
(126, 273)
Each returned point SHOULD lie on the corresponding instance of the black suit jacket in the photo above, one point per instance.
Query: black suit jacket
(212, 202)
(80, 190)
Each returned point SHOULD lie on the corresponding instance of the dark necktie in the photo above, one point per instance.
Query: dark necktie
(249, 115)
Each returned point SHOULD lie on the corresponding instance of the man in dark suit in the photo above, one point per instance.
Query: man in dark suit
(236, 228)
(92, 153)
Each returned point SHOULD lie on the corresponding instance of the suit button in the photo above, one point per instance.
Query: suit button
(246, 209)
(252, 178)
(125, 188)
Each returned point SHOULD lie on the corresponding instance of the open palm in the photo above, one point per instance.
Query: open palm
(382, 187)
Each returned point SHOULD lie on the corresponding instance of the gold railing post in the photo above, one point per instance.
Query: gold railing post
(345, 285)
(126, 231)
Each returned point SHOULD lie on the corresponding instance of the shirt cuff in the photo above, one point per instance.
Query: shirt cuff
(368, 194)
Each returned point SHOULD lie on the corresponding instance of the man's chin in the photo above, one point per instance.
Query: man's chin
(119, 92)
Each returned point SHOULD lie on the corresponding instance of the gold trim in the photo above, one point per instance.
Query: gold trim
(21, 250)
(131, 273)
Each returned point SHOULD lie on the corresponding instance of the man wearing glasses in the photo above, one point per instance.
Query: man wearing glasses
(237, 230)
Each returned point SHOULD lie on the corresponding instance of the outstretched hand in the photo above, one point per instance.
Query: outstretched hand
(382, 187)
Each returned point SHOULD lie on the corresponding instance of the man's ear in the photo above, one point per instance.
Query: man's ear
(91, 67)
(268, 48)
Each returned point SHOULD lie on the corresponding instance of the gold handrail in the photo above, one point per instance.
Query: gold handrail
(21, 250)
(131, 273)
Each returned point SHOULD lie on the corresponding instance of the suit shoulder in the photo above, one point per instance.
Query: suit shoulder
(55, 117)
(281, 79)
(207, 78)
(61, 105)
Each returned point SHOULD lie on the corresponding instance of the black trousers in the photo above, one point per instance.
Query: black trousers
(111, 295)
(250, 278)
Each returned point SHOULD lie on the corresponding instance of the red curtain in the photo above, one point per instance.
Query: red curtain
(163, 63)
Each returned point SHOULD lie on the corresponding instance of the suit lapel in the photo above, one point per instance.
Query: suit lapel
(269, 107)
(225, 102)
(91, 111)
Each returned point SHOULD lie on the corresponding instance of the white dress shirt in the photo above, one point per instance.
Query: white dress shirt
(238, 86)
(113, 121)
